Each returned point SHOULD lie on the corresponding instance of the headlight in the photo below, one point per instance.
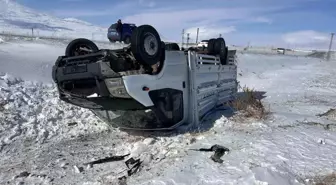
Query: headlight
(116, 88)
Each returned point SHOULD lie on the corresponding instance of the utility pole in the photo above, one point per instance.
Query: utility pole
(197, 35)
(188, 34)
(330, 46)
(182, 38)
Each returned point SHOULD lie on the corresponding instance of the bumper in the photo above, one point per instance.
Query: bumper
(104, 103)
(81, 70)
(77, 82)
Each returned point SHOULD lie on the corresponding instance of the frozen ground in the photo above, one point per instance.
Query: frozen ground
(45, 141)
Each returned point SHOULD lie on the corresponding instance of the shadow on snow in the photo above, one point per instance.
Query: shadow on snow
(205, 124)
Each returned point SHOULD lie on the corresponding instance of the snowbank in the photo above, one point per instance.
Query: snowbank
(33, 110)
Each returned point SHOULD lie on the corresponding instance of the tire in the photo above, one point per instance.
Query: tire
(219, 45)
(127, 40)
(211, 47)
(163, 54)
(163, 57)
(223, 56)
(221, 50)
(73, 48)
(146, 45)
(172, 47)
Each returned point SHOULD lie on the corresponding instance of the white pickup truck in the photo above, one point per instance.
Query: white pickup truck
(147, 85)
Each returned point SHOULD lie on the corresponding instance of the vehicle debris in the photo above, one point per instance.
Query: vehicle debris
(107, 159)
(72, 124)
(122, 180)
(133, 166)
(136, 165)
(78, 169)
(23, 174)
(219, 152)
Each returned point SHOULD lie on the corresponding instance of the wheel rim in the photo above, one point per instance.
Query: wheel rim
(150, 44)
(81, 50)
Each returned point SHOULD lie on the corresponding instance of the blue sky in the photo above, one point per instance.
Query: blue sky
(292, 23)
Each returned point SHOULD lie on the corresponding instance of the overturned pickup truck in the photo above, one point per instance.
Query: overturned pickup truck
(148, 85)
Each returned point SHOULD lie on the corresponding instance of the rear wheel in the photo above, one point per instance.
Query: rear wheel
(80, 46)
(146, 45)
(172, 47)
(211, 47)
(221, 50)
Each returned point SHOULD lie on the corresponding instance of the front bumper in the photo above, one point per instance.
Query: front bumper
(75, 84)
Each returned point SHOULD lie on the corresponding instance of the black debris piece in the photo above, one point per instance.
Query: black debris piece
(192, 140)
(136, 165)
(219, 152)
(23, 174)
(122, 180)
(108, 159)
(72, 124)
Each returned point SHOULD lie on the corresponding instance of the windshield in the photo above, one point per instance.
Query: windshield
(113, 27)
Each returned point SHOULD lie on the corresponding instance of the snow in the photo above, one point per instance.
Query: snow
(46, 141)
(51, 140)
(18, 19)
(33, 60)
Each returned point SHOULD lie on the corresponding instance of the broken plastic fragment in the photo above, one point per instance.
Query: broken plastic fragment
(219, 152)
(94, 95)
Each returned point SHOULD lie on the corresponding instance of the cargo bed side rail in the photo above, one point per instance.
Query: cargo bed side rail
(211, 83)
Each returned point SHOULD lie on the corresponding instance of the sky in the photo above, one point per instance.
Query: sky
(285, 23)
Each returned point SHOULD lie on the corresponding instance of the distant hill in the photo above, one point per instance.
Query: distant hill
(18, 19)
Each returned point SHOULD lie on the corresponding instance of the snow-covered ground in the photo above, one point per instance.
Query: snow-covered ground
(33, 59)
(18, 19)
(46, 141)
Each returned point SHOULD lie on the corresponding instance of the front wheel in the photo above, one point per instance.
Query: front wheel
(80, 46)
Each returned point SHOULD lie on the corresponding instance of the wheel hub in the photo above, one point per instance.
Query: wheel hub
(150, 44)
